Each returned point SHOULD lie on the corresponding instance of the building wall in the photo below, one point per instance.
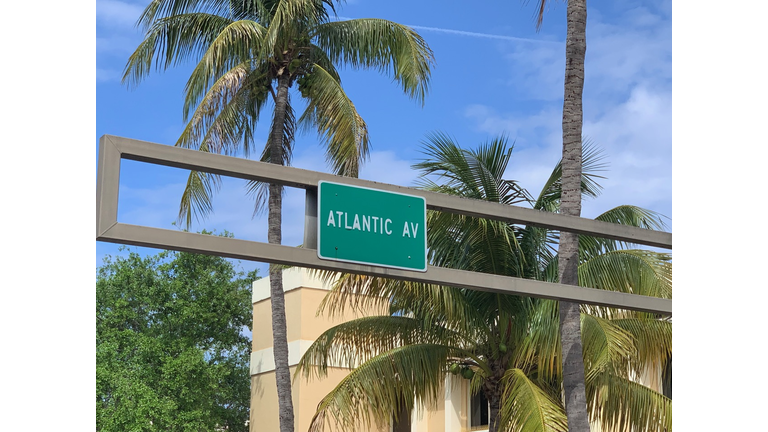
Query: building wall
(303, 295)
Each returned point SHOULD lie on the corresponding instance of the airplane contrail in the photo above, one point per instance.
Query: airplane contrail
(482, 35)
(473, 34)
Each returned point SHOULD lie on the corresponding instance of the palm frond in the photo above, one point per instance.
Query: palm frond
(653, 339)
(488, 171)
(197, 199)
(473, 244)
(259, 191)
(634, 216)
(234, 46)
(539, 247)
(288, 128)
(318, 56)
(404, 376)
(634, 271)
(540, 243)
(592, 163)
(224, 120)
(619, 404)
(226, 117)
(157, 10)
(606, 346)
(540, 6)
(330, 110)
(449, 163)
(540, 348)
(623, 215)
(391, 48)
(354, 342)
(526, 407)
(469, 173)
(444, 158)
(465, 242)
(287, 21)
(172, 40)
(445, 306)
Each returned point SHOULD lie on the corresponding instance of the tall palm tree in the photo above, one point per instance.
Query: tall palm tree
(568, 249)
(507, 346)
(250, 52)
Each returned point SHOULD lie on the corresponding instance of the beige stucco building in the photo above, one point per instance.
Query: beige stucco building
(458, 412)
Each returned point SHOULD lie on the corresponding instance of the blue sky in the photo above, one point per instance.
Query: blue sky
(494, 74)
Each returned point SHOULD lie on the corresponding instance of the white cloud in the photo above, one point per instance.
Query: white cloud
(118, 14)
(637, 135)
(117, 45)
(536, 71)
(635, 48)
(309, 155)
(381, 166)
(117, 35)
(620, 57)
(386, 167)
(524, 129)
(532, 166)
(627, 109)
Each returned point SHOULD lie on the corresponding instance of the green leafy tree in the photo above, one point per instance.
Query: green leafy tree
(170, 349)
(250, 53)
(507, 346)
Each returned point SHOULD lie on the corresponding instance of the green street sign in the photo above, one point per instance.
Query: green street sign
(373, 227)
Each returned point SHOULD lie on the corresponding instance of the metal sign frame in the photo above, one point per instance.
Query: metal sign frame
(112, 149)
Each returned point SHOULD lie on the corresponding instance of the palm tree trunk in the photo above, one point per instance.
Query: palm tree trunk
(279, 328)
(494, 406)
(568, 249)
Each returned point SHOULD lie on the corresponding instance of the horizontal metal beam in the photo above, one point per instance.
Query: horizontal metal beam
(252, 170)
(112, 149)
(265, 252)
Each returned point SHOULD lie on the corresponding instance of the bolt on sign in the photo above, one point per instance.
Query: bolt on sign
(373, 227)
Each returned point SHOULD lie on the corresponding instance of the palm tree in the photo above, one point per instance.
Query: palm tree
(568, 248)
(250, 52)
(507, 346)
